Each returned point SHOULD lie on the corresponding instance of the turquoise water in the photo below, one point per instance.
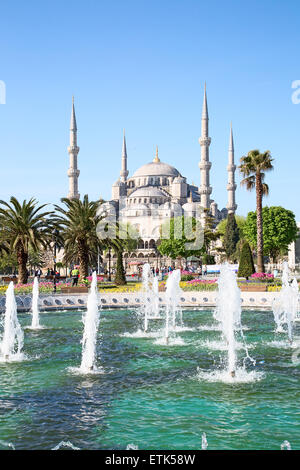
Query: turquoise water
(148, 394)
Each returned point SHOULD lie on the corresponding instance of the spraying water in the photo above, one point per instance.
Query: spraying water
(91, 323)
(65, 445)
(285, 446)
(150, 308)
(13, 336)
(285, 306)
(228, 314)
(155, 293)
(204, 443)
(173, 293)
(146, 294)
(35, 324)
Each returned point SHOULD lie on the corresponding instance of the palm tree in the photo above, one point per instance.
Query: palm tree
(253, 167)
(24, 227)
(78, 223)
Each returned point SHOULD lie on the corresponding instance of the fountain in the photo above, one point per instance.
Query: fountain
(65, 445)
(35, 324)
(204, 443)
(132, 447)
(286, 446)
(285, 307)
(228, 314)
(13, 336)
(155, 301)
(91, 323)
(173, 293)
(146, 294)
(150, 309)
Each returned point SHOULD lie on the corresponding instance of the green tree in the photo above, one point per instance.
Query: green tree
(231, 237)
(78, 222)
(24, 227)
(125, 238)
(253, 167)
(183, 232)
(8, 262)
(240, 220)
(279, 230)
(246, 265)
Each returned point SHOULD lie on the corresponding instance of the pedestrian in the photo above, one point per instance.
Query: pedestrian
(38, 273)
(75, 276)
(204, 270)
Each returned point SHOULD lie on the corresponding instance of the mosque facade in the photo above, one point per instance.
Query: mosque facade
(157, 190)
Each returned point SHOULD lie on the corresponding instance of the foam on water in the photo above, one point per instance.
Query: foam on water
(241, 376)
(142, 334)
(221, 345)
(170, 341)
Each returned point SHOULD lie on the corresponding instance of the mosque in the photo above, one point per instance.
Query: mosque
(157, 189)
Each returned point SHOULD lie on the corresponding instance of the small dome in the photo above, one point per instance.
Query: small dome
(156, 169)
(147, 191)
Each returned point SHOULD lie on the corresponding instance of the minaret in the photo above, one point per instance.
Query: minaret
(231, 186)
(124, 171)
(205, 189)
(73, 151)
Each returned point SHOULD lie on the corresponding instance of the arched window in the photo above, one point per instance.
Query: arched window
(152, 244)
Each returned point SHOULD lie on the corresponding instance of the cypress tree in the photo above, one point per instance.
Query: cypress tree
(120, 277)
(246, 265)
(231, 236)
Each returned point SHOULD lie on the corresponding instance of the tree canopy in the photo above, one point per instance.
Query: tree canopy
(240, 220)
(279, 230)
(186, 237)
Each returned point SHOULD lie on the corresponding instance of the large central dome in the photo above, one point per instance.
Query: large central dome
(156, 169)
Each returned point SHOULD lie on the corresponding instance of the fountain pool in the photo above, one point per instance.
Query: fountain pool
(149, 395)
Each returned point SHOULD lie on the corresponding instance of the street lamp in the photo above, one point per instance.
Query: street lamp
(54, 237)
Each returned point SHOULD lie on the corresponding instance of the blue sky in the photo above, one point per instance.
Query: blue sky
(142, 65)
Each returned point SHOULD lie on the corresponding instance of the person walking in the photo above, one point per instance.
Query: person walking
(205, 270)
